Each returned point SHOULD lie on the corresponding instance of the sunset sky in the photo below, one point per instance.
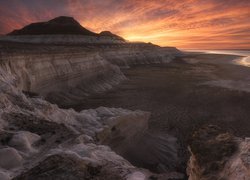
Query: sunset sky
(197, 24)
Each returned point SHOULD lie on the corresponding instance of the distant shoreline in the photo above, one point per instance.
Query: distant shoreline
(242, 56)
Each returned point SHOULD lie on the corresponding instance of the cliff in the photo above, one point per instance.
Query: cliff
(36, 136)
(62, 39)
(32, 132)
(40, 140)
(66, 74)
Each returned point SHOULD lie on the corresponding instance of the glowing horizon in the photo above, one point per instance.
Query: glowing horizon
(191, 24)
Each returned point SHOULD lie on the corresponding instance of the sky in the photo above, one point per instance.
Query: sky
(191, 24)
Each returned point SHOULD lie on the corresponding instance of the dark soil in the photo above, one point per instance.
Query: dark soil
(178, 101)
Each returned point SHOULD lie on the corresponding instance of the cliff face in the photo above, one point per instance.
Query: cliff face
(130, 54)
(32, 129)
(61, 39)
(67, 74)
(218, 155)
(63, 62)
(36, 134)
(57, 71)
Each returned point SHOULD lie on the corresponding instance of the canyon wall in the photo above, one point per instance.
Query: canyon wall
(35, 135)
(62, 39)
(66, 74)
(33, 131)
(126, 55)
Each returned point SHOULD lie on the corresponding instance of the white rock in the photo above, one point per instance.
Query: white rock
(136, 176)
(24, 140)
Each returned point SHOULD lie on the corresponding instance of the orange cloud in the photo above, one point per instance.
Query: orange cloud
(209, 24)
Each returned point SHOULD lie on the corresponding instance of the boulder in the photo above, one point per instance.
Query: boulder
(216, 154)
(23, 141)
(10, 158)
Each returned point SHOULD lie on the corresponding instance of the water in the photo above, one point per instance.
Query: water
(244, 61)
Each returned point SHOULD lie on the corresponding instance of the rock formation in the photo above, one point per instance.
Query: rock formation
(110, 34)
(62, 62)
(59, 25)
(61, 30)
(67, 73)
(218, 155)
(46, 142)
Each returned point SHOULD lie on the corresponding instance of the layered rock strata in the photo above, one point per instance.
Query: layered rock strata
(41, 141)
(33, 131)
(67, 74)
(38, 138)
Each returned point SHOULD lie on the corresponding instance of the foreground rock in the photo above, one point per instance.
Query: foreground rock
(218, 155)
(66, 166)
(10, 158)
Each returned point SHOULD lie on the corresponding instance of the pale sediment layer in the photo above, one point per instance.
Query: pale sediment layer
(62, 39)
(67, 74)
(32, 130)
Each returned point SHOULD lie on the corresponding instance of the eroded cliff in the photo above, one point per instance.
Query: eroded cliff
(36, 135)
(66, 74)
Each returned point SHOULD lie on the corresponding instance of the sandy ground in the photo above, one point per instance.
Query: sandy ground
(190, 92)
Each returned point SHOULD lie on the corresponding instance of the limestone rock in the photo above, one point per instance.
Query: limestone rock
(67, 167)
(23, 141)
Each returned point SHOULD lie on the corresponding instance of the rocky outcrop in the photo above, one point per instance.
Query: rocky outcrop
(67, 74)
(138, 53)
(60, 30)
(218, 155)
(59, 25)
(32, 129)
(59, 39)
(44, 141)
(60, 73)
(39, 140)
(110, 34)
(69, 167)
(66, 67)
